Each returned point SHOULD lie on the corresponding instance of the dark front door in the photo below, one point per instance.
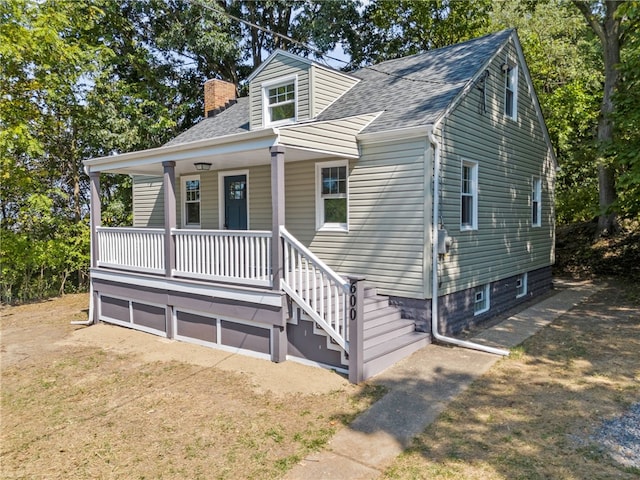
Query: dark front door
(235, 202)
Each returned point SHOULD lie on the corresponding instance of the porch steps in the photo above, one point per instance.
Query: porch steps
(388, 338)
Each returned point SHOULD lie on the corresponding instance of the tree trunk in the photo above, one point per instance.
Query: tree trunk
(608, 31)
(607, 222)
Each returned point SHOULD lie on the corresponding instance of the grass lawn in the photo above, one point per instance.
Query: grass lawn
(84, 412)
(533, 414)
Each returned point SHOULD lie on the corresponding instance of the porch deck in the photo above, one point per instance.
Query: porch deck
(215, 277)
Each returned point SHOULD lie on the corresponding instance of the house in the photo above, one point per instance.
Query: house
(339, 219)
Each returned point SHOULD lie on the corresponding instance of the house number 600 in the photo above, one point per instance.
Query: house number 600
(352, 301)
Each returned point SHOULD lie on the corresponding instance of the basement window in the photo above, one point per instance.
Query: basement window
(521, 285)
(481, 299)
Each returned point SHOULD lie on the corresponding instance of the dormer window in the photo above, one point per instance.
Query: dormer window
(279, 100)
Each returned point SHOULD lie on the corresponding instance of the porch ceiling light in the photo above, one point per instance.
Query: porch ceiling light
(202, 166)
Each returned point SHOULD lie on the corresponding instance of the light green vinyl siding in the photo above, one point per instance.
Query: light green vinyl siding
(260, 197)
(280, 66)
(509, 154)
(259, 188)
(148, 201)
(335, 136)
(327, 87)
(387, 203)
(208, 200)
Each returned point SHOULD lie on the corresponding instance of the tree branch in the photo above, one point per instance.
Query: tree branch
(596, 26)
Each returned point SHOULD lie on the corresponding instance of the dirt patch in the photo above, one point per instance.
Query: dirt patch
(108, 402)
(580, 255)
(263, 376)
(534, 414)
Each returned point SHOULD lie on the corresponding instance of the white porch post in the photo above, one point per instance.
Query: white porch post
(169, 183)
(94, 215)
(95, 218)
(277, 209)
(169, 216)
(279, 332)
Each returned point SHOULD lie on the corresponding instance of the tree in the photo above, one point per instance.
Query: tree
(611, 28)
(396, 28)
(565, 66)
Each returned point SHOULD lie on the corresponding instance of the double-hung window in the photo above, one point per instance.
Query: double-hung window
(511, 91)
(469, 196)
(536, 202)
(332, 196)
(191, 201)
(481, 299)
(279, 100)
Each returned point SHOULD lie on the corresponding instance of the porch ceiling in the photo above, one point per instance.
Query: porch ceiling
(230, 152)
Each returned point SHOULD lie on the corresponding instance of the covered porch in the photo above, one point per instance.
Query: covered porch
(251, 287)
(169, 280)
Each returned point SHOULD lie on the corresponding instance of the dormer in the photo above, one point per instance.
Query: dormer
(289, 89)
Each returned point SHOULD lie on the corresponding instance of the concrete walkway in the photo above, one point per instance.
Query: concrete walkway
(420, 387)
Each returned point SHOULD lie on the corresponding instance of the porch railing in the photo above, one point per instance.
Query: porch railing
(242, 256)
(316, 288)
(139, 249)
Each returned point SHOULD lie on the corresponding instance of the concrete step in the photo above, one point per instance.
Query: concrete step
(387, 332)
(382, 356)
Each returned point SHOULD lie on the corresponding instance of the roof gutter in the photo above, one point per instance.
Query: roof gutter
(434, 260)
(181, 151)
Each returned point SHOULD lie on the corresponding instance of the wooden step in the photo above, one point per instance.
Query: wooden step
(378, 317)
(386, 332)
(382, 356)
(375, 303)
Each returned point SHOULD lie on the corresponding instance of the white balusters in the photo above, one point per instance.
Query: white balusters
(317, 289)
(237, 256)
(139, 249)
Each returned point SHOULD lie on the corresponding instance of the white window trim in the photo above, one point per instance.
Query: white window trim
(221, 195)
(485, 293)
(512, 72)
(474, 195)
(321, 226)
(183, 198)
(266, 117)
(536, 197)
(525, 287)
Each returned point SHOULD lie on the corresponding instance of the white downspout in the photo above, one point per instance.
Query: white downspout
(434, 261)
(90, 320)
(91, 306)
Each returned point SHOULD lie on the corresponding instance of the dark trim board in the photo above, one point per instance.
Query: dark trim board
(456, 309)
(251, 310)
(223, 323)
(128, 312)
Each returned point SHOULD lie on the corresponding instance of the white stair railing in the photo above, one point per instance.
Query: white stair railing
(137, 249)
(316, 288)
(239, 256)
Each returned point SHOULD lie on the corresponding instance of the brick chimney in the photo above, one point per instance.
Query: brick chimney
(218, 95)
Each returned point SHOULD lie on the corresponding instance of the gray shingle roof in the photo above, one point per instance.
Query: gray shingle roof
(412, 91)
(234, 119)
(415, 90)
